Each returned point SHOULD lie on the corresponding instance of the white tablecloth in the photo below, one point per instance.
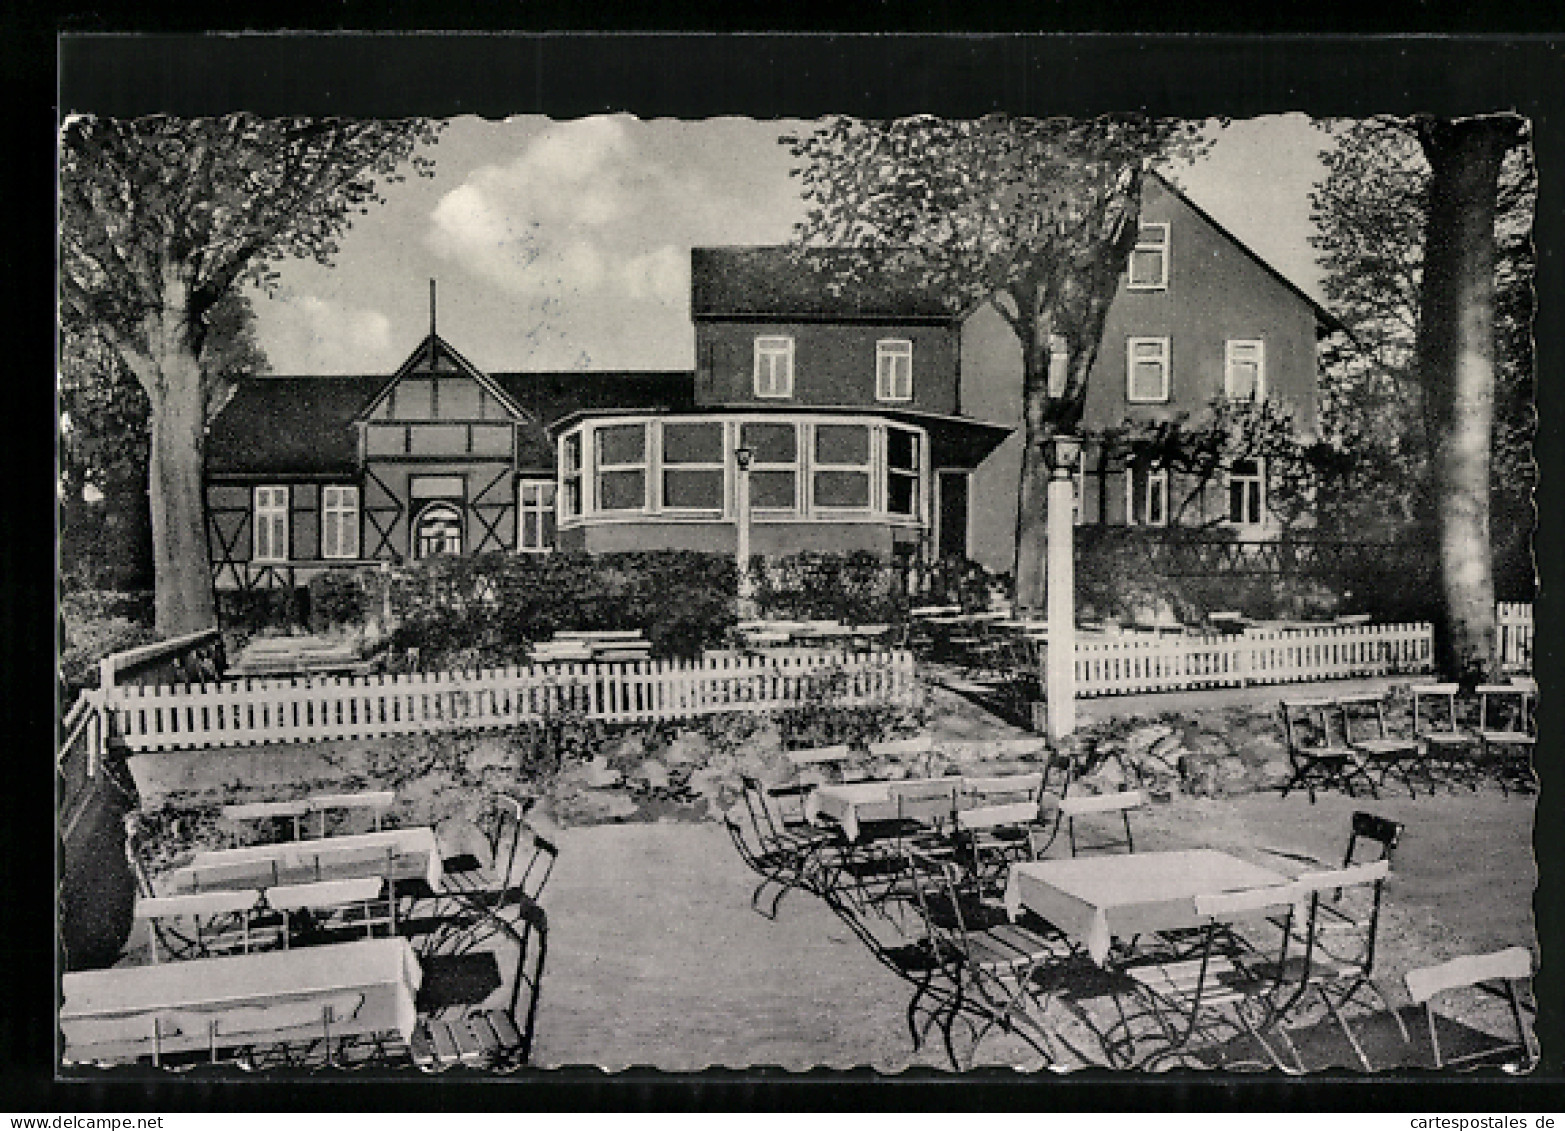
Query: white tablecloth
(857, 802)
(1095, 899)
(272, 997)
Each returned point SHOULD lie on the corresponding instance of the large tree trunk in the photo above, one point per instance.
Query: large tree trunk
(1456, 359)
(1032, 526)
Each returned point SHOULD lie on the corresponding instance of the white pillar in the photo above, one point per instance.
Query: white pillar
(742, 547)
(1060, 677)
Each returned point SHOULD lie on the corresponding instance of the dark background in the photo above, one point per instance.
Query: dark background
(692, 75)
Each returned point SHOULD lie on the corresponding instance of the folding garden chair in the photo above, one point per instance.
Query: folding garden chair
(783, 856)
(484, 1039)
(917, 753)
(987, 963)
(1318, 748)
(1501, 974)
(1364, 728)
(1339, 945)
(1089, 805)
(1443, 739)
(995, 820)
(1507, 732)
(1371, 829)
(1229, 987)
(271, 812)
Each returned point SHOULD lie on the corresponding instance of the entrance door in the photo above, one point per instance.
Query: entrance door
(952, 534)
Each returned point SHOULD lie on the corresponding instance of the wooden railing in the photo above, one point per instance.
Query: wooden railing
(308, 710)
(1132, 665)
(1514, 626)
(191, 658)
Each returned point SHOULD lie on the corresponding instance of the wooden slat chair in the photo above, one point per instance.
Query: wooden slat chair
(208, 924)
(811, 768)
(1501, 973)
(483, 1039)
(269, 811)
(918, 753)
(327, 909)
(1364, 728)
(1318, 749)
(378, 803)
(1445, 743)
(1227, 986)
(988, 963)
(1508, 732)
(1079, 805)
(1337, 963)
(995, 821)
(786, 857)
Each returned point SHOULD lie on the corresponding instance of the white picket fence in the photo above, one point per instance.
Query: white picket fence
(248, 712)
(1133, 665)
(1514, 622)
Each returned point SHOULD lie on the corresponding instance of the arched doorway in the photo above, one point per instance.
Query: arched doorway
(438, 531)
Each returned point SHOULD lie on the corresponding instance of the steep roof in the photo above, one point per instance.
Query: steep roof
(299, 424)
(785, 282)
(304, 425)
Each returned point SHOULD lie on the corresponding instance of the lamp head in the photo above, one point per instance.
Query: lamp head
(1062, 451)
(743, 456)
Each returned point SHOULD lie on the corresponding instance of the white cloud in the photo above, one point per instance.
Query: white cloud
(308, 334)
(663, 275)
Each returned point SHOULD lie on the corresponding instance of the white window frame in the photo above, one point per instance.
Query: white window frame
(572, 474)
(1230, 349)
(894, 369)
(1143, 244)
(1152, 477)
(1166, 350)
(796, 468)
(719, 465)
(917, 475)
(340, 502)
(531, 510)
(1229, 479)
(867, 467)
(599, 468)
(271, 516)
(774, 358)
(416, 532)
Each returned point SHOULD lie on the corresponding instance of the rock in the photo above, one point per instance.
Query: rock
(598, 774)
(689, 749)
(628, 750)
(707, 783)
(595, 806)
(652, 773)
(1144, 740)
(1232, 772)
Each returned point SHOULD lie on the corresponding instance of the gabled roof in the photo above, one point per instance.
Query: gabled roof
(1323, 316)
(436, 355)
(738, 282)
(298, 424)
(549, 396)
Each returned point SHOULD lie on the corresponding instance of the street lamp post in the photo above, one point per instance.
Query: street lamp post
(1062, 453)
(742, 458)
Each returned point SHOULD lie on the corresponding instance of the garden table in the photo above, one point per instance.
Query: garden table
(267, 998)
(1095, 899)
(857, 802)
(414, 855)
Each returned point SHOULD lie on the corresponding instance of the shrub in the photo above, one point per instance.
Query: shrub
(856, 588)
(337, 598)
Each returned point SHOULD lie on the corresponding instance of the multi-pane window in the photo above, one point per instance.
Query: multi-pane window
(1146, 496)
(570, 475)
(693, 466)
(1244, 370)
(842, 467)
(1149, 261)
(271, 524)
(1247, 492)
(622, 467)
(894, 369)
(339, 522)
(774, 465)
(902, 471)
(774, 367)
(535, 518)
(438, 531)
(1146, 370)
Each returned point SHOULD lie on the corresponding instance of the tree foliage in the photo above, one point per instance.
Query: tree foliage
(162, 220)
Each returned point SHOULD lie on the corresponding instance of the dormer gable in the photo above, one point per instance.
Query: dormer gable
(436, 383)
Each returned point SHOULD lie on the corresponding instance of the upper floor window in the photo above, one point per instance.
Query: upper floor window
(774, 465)
(622, 467)
(894, 369)
(842, 467)
(1247, 492)
(774, 367)
(1244, 370)
(535, 518)
(1146, 496)
(339, 522)
(1149, 262)
(271, 524)
(1146, 370)
(693, 466)
(570, 475)
(903, 473)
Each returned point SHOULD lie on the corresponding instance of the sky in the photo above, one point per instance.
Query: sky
(566, 245)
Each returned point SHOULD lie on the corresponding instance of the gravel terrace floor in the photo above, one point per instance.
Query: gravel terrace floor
(655, 957)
